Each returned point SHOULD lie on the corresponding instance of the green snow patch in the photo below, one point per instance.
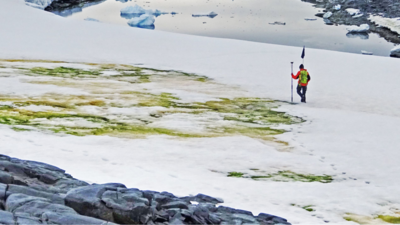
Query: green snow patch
(284, 176)
(362, 219)
(120, 102)
(390, 219)
(63, 72)
(235, 174)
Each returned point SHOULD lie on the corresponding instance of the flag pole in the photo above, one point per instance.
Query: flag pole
(291, 79)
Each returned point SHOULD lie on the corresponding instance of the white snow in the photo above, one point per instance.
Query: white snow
(351, 129)
(352, 11)
(337, 7)
(358, 29)
(392, 24)
(142, 20)
(15, 85)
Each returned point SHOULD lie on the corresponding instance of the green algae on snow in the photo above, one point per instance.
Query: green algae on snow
(286, 176)
(235, 174)
(252, 117)
(63, 72)
(390, 219)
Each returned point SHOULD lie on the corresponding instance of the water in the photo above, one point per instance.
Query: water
(245, 20)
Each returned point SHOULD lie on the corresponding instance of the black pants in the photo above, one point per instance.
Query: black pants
(301, 90)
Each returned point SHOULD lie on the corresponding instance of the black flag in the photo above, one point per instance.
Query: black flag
(304, 52)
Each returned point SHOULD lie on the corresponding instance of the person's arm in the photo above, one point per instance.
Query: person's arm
(308, 77)
(297, 75)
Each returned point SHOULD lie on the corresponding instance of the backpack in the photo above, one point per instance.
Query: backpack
(303, 77)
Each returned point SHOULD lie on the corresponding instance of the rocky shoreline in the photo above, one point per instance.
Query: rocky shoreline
(384, 8)
(37, 193)
(61, 5)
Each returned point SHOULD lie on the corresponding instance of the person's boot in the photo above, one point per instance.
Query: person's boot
(302, 99)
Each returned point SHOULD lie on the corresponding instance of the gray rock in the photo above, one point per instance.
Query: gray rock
(34, 206)
(201, 198)
(6, 217)
(6, 178)
(87, 201)
(175, 204)
(74, 219)
(224, 209)
(16, 189)
(268, 217)
(38, 193)
(3, 189)
(129, 207)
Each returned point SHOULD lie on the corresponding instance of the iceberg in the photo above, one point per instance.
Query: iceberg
(395, 52)
(327, 15)
(40, 4)
(337, 7)
(366, 53)
(310, 19)
(363, 28)
(133, 10)
(277, 23)
(144, 21)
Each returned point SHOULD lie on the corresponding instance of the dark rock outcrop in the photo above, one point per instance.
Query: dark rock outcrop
(385, 8)
(38, 193)
(58, 6)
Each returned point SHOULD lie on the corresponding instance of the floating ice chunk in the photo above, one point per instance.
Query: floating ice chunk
(133, 10)
(352, 11)
(337, 7)
(123, 1)
(366, 53)
(144, 20)
(39, 3)
(328, 22)
(92, 19)
(158, 12)
(277, 23)
(211, 15)
(359, 15)
(310, 19)
(363, 28)
(327, 15)
(395, 52)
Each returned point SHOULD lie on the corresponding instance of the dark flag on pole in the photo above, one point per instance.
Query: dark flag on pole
(304, 52)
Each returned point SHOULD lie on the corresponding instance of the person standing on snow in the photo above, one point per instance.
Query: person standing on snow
(304, 78)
